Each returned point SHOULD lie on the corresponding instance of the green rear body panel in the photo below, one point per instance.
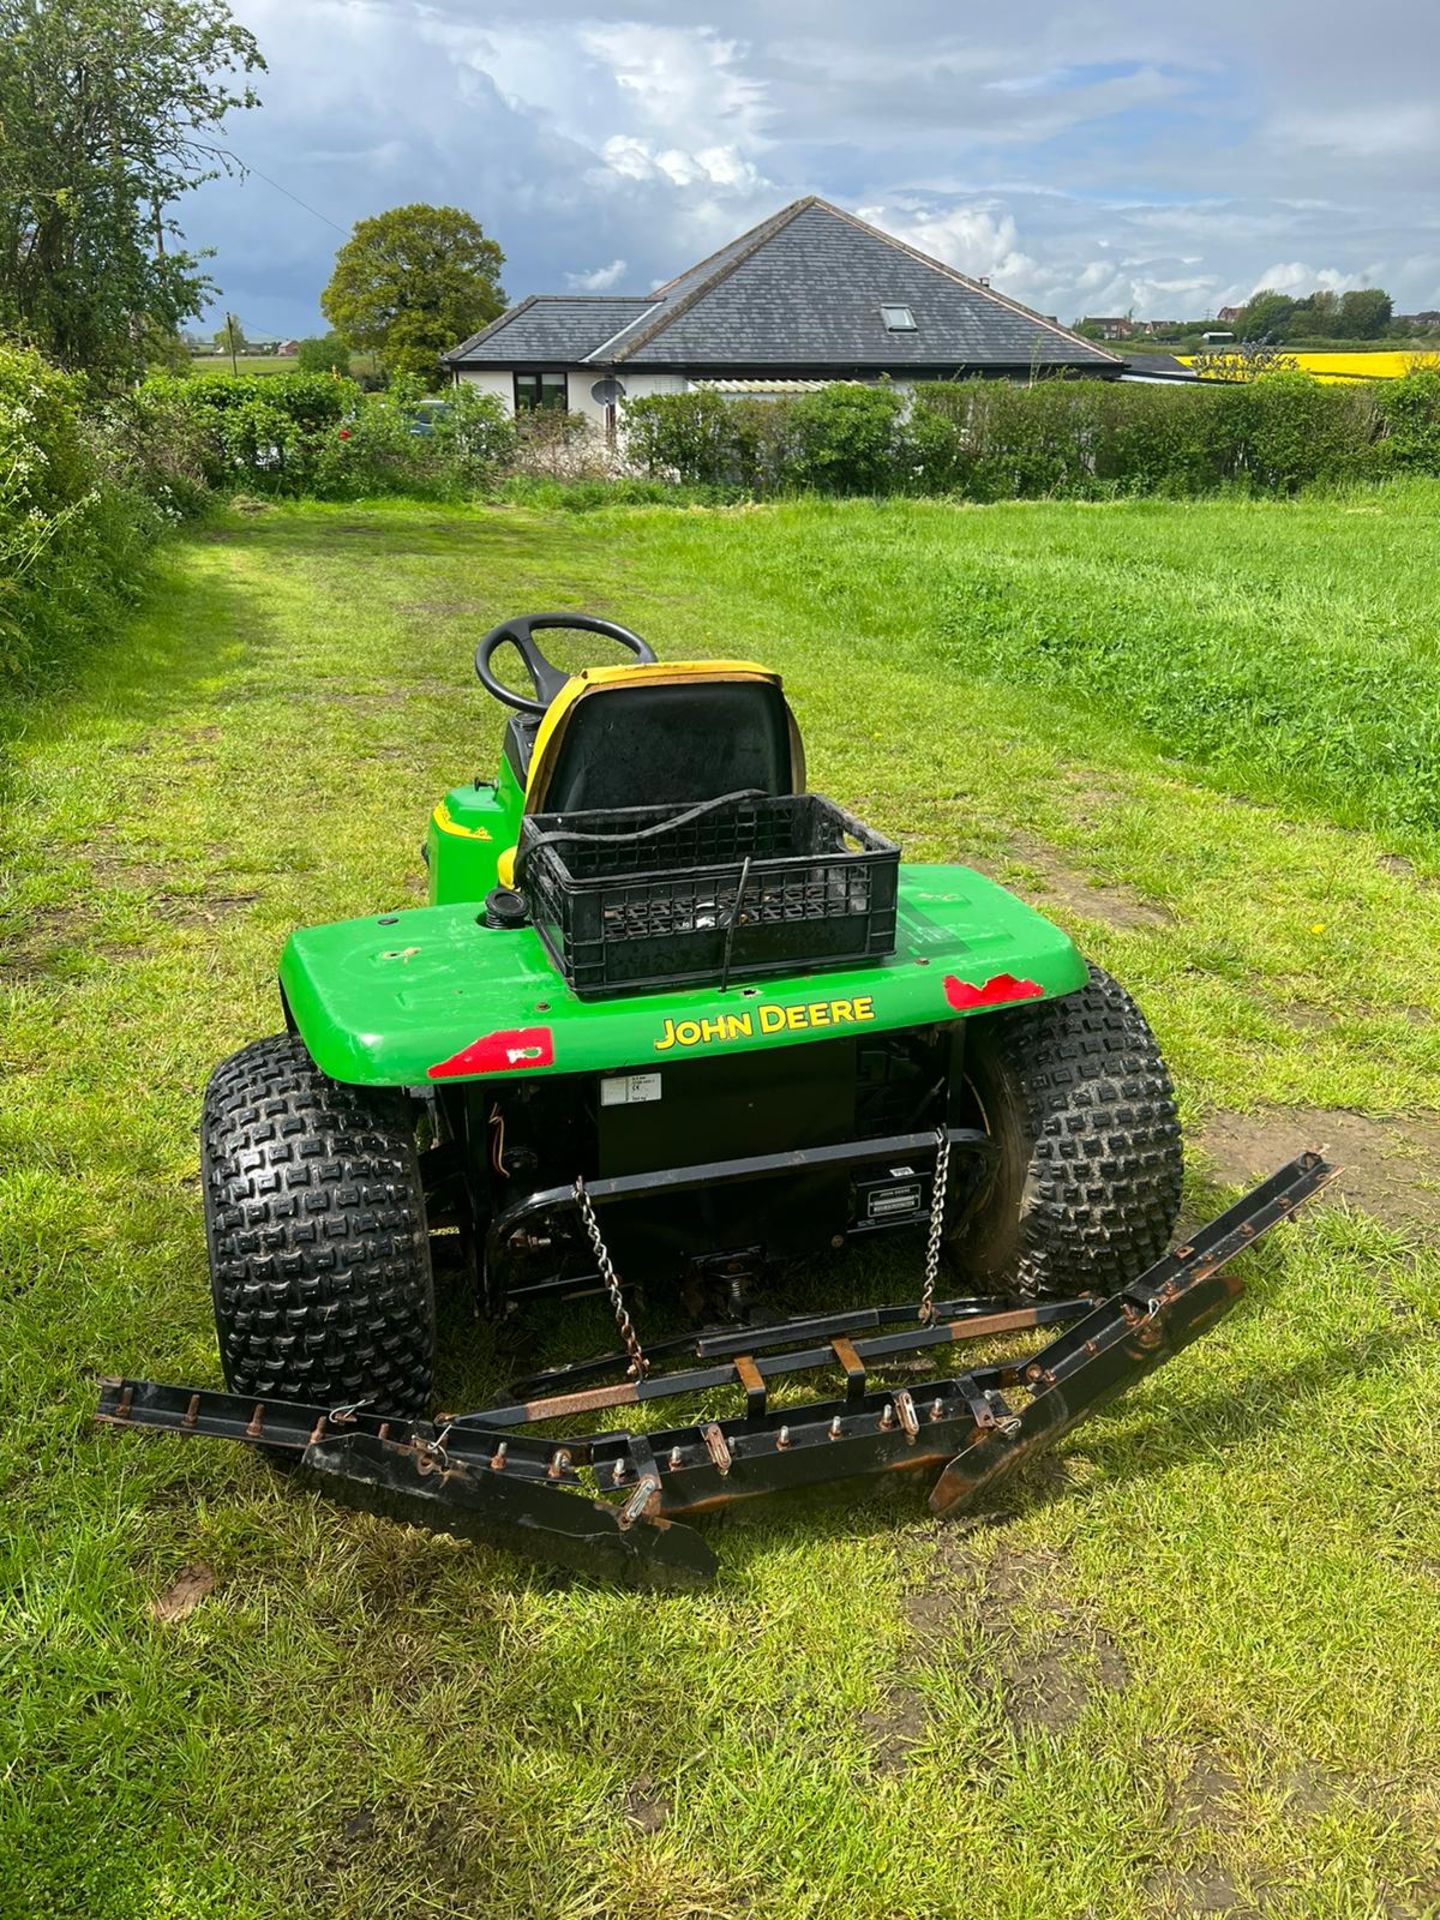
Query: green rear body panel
(387, 1001)
(468, 831)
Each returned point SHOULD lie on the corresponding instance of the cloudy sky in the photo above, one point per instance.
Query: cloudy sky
(1090, 156)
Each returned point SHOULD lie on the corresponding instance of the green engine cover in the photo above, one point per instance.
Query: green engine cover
(432, 995)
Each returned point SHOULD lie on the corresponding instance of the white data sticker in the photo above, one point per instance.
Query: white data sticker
(629, 1089)
(884, 1201)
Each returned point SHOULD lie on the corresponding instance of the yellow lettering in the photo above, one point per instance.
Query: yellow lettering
(819, 1014)
(794, 1018)
(688, 1033)
(664, 1044)
(737, 1024)
(840, 1010)
(865, 1007)
(713, 1029)
(772, 1019)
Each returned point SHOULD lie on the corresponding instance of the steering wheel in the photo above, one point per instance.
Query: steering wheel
(546, 678)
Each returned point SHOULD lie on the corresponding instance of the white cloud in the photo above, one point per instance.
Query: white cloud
(984, 241)
(722, 167)
(599, 279)
(1295, 278)
(687, 82)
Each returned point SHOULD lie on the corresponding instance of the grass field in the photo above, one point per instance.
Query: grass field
(243, 363)
(360, 363)
(1188, 1670)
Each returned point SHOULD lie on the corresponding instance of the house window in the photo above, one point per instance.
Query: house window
(898, 319)
(540, 390)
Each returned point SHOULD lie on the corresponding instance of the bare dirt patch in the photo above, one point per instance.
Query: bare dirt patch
(445, 609)
(1390, 1168)
(203, 911)
(1207, 1795)
(1054, 1663)
(1044, 1659)
(1404, 869)
(645, 1808)
(1306, 1019)
(50, 931)
(893, 1728)
(50, 939)
(1201, 1889)
(183, 1595)
(1204, 1802)
(1060, 885)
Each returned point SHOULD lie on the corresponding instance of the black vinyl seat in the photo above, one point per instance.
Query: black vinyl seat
(653, 745)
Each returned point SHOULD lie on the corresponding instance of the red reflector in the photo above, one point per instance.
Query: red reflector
(518, 1049)
(999, 992)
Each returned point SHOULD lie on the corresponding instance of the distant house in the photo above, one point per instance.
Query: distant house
(1229, 314)
(809, 296)
(289, 347)
(1110, 327)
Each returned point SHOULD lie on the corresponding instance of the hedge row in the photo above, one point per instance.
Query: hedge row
(75, 528)
(1079, 439)
(310, 434)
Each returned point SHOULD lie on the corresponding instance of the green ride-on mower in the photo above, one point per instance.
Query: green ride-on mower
(671, 1017)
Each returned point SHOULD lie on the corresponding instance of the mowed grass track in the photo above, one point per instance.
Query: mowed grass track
(1190, 1670)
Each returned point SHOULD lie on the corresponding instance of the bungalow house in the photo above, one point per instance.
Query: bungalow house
(808, 296)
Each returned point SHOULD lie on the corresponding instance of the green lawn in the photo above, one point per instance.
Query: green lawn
(243, 363)
(268, 363)
(1190, 1670)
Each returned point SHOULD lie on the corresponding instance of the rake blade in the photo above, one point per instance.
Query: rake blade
(483, 1478)
(534, 1521)
(1127, 1337)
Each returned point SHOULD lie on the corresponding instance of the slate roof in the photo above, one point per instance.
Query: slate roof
(801, 291)
(553, 326)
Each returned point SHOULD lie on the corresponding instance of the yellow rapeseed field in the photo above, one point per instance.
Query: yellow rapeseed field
(1333, 367)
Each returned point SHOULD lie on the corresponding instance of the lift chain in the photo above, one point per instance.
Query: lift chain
(629, 1339)
(937, 1224)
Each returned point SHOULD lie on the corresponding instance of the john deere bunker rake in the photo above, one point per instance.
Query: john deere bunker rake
(671, 1016)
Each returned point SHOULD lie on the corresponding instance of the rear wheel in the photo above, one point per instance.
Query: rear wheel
(315, 1223)
(1080, 1105)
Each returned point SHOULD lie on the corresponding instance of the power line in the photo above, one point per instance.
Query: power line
(324, 217)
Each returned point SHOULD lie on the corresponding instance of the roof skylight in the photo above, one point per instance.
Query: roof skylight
(897, 318)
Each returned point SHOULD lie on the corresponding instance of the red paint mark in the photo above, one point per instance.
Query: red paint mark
(999, 992)
(519, 1048)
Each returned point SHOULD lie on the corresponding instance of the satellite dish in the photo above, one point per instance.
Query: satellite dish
(606, 392)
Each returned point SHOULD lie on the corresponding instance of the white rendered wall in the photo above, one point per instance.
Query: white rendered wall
(501, 383)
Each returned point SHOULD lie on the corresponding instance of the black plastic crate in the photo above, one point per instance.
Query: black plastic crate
(643, 898)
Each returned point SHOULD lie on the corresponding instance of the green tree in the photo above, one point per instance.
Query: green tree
(1364, 314)
(410, 283)
(324, 353)
(110, 110)
(1263, 314)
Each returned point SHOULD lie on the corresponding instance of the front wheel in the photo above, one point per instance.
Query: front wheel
(1078, 1101)
(315, 1224)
